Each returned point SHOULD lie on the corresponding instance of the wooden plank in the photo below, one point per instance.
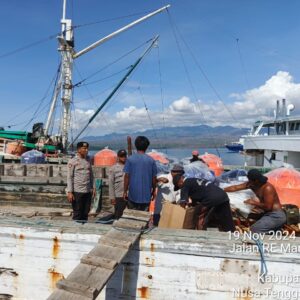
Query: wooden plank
(129, 224)
(137, 214)
(117, 234)
(34, 180)
(32, 188)
(77, 288)
(115, 243)
(139, 218)
(99, 262)
(96, 268)
(65, 295)
(91, 276)
(24, 179)
(108, 252)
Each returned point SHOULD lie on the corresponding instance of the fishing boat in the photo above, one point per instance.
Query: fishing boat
(41, 138)
(274, 142)
(164, 264)
(235, 146)
(36, 252)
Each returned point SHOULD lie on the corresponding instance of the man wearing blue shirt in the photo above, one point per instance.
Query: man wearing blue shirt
(140, 177)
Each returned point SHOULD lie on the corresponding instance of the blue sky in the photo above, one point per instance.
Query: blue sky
(244, 78)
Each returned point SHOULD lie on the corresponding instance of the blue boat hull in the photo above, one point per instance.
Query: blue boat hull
(235, 148)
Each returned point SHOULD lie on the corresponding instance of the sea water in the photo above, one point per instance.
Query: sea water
(177, 154)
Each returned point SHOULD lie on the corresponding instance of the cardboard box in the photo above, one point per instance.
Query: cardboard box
(175, 216)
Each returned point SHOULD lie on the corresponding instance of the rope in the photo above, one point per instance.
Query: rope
(29, 108)
(263, 265)
(12, 52)
(148, 114)
(93, 98)
(79, 84)
(112, 63)
(174, 28)
(45, 96)
(111, 19)
(58, 73)
(161, 97)
(242, 64)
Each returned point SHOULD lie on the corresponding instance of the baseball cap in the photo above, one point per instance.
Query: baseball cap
(122, 153)
(177, 169)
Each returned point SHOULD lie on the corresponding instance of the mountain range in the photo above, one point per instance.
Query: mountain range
(173, 137)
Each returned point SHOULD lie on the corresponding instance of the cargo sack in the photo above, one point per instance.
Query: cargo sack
(292, 213)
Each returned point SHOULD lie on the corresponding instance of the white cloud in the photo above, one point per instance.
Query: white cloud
(248, 107)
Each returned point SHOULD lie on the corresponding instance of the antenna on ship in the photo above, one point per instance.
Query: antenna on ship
(66, 48)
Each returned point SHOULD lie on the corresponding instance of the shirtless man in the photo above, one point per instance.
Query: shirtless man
(273, 217)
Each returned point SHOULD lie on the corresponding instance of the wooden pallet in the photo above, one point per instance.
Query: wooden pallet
(95, 269)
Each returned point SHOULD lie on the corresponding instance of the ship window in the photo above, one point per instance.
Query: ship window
(292, 126)
(297, 126)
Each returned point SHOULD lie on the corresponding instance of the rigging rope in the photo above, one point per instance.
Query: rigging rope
(174, 28)
(111, 63)
(93, 99)
(242, 64)
(111, 19)
(206, 77)
(102, 79)
(53, 92)
(12, 52)
(148, 114)
(161, 97)
(45, 96)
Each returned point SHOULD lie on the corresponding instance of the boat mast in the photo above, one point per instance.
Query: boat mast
(66, 47)
(53, 103)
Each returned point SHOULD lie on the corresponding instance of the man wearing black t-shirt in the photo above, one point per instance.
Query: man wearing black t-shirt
(211, 197)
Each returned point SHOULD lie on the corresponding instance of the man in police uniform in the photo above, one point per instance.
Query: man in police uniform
(116, 184)
(80, 183)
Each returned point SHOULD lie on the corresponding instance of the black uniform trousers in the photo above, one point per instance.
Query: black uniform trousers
(81, 206)
(119, 207)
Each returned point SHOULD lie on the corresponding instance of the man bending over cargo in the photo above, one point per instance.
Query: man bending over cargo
(273, 217)
(210, 201)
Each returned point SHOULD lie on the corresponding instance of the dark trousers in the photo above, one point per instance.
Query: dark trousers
(138, 206)
(222, 214)
(81, 206)
(119, 207)
(219, 215)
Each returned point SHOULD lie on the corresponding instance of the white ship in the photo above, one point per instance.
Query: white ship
(274, 143)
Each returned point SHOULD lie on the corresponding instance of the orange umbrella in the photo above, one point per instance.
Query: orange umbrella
(214, 163)
(105, 157)
(287, 184)
(159, 157)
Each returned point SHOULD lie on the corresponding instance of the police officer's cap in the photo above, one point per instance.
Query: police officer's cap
(82, 144)
(122, 153)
